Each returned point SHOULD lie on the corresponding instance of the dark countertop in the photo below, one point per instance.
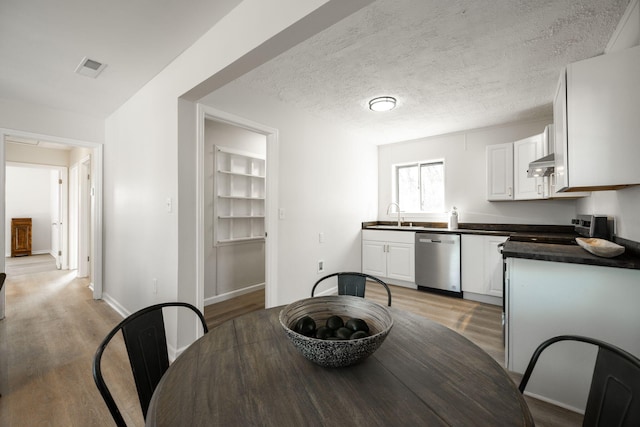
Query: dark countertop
(567, 253)
(468, 228)
(526, 249)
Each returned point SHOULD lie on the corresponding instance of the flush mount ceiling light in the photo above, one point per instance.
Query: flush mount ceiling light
(382, 103)
(90, 68)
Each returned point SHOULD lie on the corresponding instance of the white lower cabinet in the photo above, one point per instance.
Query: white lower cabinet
(389, 255)
(546, 299)
(482, 268)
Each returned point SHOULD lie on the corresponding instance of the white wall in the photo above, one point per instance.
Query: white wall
(47, 121)
(327, 184)
(622, 205)
(149, 158)
(465, 177)
(28, 195)
(36, 155)
(230, 267)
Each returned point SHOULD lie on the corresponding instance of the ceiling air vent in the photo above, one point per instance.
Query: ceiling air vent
(90, 68)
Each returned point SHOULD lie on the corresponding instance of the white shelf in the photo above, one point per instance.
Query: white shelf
(242, 239)
(241, 217)
(240, 197)
(248, 175)
(239, 207)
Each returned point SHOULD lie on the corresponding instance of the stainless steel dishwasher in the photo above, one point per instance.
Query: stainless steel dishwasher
(438, 263)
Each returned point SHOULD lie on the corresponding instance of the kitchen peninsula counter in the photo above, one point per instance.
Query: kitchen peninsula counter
(567, 254)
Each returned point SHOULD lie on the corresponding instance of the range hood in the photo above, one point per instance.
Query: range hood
(542, 167)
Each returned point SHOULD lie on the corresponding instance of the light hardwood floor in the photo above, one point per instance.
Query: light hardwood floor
(53, 327)
(47, 340)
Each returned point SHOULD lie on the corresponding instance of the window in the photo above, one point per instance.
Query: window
(420, 187)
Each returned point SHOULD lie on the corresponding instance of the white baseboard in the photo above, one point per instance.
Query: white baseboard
(232, 294)
(487, 299)
(40, 252)
(555, 402)
(330, 291)
(397, 282)
(115, 305)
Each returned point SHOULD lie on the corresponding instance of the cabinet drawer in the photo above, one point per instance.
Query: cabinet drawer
(389, 236)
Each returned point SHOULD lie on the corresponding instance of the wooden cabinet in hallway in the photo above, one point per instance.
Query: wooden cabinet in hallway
(20, 236)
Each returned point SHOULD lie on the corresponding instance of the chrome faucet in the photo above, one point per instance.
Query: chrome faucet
(389, 212)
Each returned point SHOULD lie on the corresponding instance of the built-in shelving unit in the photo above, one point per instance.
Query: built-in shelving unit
(239, 207)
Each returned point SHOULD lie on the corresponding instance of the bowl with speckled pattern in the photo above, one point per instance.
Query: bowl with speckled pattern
(336, 353)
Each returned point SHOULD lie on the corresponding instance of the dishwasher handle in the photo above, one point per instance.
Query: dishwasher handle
(444, 242)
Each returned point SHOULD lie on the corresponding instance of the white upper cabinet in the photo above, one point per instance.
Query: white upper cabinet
(500, 171)
(550, 182)
(597, 123)
(507, 166)
(524, 152)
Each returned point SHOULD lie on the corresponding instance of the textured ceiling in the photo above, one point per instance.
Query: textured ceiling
(453, 65)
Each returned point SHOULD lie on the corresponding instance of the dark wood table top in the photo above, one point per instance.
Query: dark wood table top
(245, 372)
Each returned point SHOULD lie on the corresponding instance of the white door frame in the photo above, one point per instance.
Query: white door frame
(84, 217)
(62, 193)
(73, 217)
(271, 225)
(96, 223)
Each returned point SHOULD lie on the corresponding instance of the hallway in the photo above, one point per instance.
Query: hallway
(47, 340)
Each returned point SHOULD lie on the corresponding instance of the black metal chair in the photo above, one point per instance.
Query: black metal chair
(146, 343)
(353, 283)
(614, 396)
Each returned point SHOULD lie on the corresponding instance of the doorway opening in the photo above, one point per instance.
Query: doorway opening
(236, 253)
(37, 193)
(235, 196)
(25, 147)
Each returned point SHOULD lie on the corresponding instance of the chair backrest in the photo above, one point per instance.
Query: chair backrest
(145, 339)
(614, 396)
(353, 283)
(3, 276)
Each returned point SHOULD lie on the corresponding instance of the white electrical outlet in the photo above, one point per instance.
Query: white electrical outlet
(320, 266)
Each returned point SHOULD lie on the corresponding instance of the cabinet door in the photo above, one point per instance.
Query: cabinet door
(500, 171)
(603, 107)
(524, 152)
(401, 261)
(559, 179)
(493, 265)
(549, 186)
(472, 264)
(374, 258)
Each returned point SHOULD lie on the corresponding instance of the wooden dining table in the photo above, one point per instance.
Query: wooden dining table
(245, 372)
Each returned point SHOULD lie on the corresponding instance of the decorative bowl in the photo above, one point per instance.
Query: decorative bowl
(600, 247)
(336, 353)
